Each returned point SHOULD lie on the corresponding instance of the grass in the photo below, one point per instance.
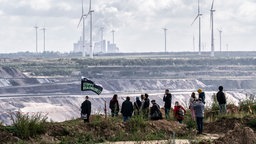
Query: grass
(252, 123)
(160, 135)
(136, 123)
(26, 126)
(110, 129)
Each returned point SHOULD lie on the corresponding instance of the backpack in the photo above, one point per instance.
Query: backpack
(180, 112)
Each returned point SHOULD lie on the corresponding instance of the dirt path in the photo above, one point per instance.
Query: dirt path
(208, 136)
(205, 136)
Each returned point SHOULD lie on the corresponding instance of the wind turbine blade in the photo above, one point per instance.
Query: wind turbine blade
(212, 4)
(80, 21)
(82, 7)
(85, 16)
(198, 7)
(195, 19)
(82, 14)
(211, 19)
(90, 5)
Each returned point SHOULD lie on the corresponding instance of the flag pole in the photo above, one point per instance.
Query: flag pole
(105, 108)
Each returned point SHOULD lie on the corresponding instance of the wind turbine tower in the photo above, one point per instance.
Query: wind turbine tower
(165, 30)
(36, 27)
(193, 42)
(199, 24)
(113, 36)
(90, 12)
(44, 29)
(83, 34)
(220, 32)
(212, 34)
(101, 38)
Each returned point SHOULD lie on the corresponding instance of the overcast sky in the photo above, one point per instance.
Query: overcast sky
(138, 24)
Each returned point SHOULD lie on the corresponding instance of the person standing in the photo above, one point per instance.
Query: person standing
(201, 95)
(86, 110)
(191, 103)
(221, 98)
(145, 106)
(142, 97)
(137, 106)
(155, 113)
(127, 109)
(179, 112)
(167, 103)
(114, 106)
(199, 112)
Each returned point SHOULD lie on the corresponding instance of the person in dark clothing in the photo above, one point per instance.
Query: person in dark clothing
(167, 103)
(201, 95)
(145, 106)
(114, 106)
(142, 97)
(137, 106)
(199, 112)
(86, 110)
(221, 98)
(155, 113)
(127, 109)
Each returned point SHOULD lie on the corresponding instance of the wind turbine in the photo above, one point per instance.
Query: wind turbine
(82, 19)
(199, 18)
(220, 31)
(193, 42)
(113, 36)
(165, 29)
(101, 39)
(90, 12)
(44, 29)
(212, 35)
(36, 27)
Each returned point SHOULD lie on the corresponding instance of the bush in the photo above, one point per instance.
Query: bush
(25, 126)
(247, 106)
(252, 123)
(160, 135)
(191, 124)
(88, 137)
(98, 121)
(136, 123)
(215, 105)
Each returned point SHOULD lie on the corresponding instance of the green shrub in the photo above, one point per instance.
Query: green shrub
(136, 123)
(191, 124)
(160, 135)
(120, 136)
(97, 120)
(87, 137)
(254, 108)
(246, 106)
(25, 126)
(252, 123)
(215, 105)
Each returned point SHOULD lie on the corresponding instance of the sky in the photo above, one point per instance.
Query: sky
(138, 24)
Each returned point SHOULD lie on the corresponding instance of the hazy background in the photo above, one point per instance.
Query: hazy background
(138, 24)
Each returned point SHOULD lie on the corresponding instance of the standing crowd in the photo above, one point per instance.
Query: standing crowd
(141, 107)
